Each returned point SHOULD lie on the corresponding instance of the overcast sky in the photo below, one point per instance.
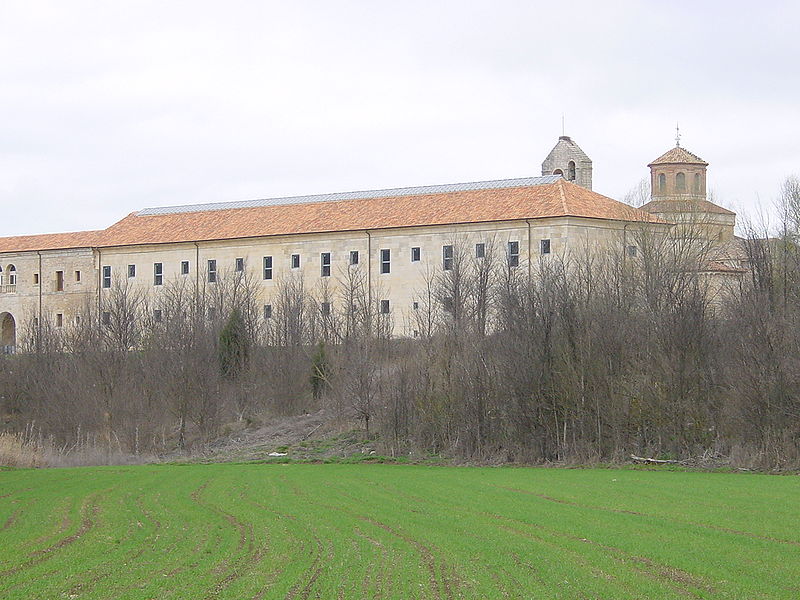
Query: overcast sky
(108, 107)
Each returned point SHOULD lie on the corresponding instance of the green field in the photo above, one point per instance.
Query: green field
(387, 531)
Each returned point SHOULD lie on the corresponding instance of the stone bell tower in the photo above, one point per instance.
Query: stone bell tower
(567, 159)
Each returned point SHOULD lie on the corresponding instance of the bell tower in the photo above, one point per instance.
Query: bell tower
(568, 160)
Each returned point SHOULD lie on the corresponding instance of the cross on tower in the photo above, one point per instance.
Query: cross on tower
(677, 136)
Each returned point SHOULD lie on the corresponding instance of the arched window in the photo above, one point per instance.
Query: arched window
(558, 172)
(680, 182)
(571, 171)
(1, 276)
(698, 184)
(12, 275)
(662, 183)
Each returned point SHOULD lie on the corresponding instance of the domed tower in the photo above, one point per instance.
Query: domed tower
(678, 195)
(567, 159)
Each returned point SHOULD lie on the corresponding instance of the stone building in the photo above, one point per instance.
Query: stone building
(396, 237)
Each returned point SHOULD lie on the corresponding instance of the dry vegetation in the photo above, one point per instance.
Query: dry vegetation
(590, 359)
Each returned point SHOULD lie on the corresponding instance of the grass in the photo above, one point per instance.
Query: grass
(396, 531)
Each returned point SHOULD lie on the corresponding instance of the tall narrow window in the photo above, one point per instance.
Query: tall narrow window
(212, 271)
(447, 258)
(59, 319)
(267, 267)
(131, 270)
(59, 281)
(107, 276)
(325, 264)
(158, 273)
(513, 254)
(184, 267)
(698, 184)
(239, 265)
(12, 275)
(157, 315)
(268, 311)
(35, 278)
(384, 307)
(295, 261)
(106, 318)
(680, 182)
(571, 170)
(77, 276)
(480, 250)
(353, 257)
(386, 260)
(325, 308)
(416, 254)
(544, 246)
(662, 183)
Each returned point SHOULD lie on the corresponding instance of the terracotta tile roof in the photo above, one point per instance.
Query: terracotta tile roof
(556, 199)
(50, 241)
(688, 205)
(678, 155)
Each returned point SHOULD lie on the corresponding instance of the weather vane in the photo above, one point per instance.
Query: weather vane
(677, 135)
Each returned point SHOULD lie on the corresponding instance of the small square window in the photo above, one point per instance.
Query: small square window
(268, 311)
(415, 254)
(632, 250)
(447, 258)
(239, 265)
(157, 315)
(131, 270)
(267, 267)
(386, 260)
(325, 309)
(384, 307)
(325, 264)
(353, 257)
(295, 261)
(415, 305)
(544, 246)
(480, 250)
(184, 267)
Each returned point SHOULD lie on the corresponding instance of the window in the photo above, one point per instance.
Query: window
(267, 267)
(78, 276)
(632, 250)
(59, 319)
(157, 315)
(106, 318)
(544, 246)
(513, 254)
(558, 172)
(325, 309)
(680, 182)
(325, 264)
(662, 183)
(12, 275)
(415, 305)
(268, 311)
(59, 281)
(158, 273)
(35, 278)
(212, 312)
(386, 260)
(480, 250)
(353, 257)
(415, 254)
(295, 261)
(184, 267)
(447, 304)
(239, 265)
(698, 184)
(571, 171)
(384, 307)
(77, 320)
(107, 276)
(447, 258)
(212, 271)
(131, 270)
(35, 321)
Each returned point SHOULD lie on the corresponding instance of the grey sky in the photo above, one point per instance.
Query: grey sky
(109, 107)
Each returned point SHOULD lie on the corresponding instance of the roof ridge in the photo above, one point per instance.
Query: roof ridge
(563, 196)
(355, 195)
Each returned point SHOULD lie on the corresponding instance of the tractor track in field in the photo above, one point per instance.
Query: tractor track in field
(89, 509)
(381, 575)
(621, 511)
(248, 555)
(12, 518)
